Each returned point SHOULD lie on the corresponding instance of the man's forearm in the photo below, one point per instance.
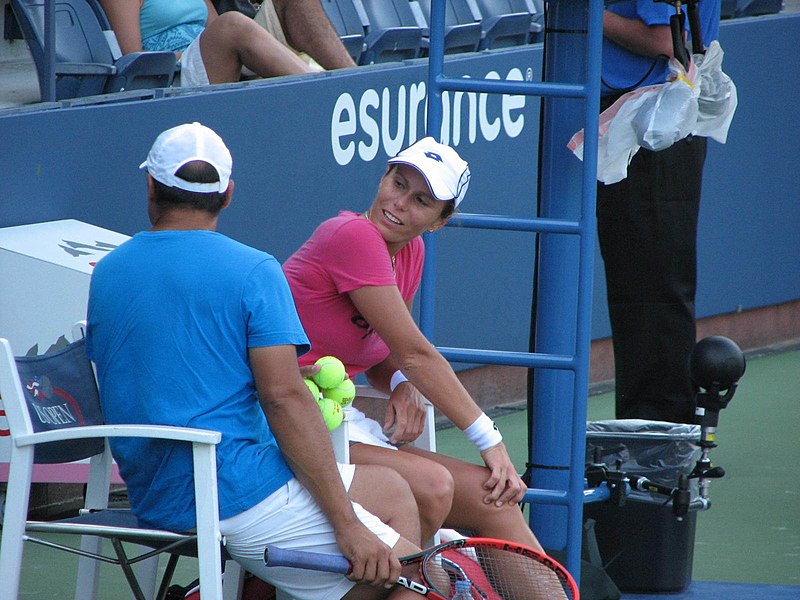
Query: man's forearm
(305, 443)
(636, 36)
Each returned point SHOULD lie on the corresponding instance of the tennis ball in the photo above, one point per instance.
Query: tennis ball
(313, 388)
(332, 413)
(330, 374)
(342, 393)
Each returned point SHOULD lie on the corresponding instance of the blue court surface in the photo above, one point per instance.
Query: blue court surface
(706, 590)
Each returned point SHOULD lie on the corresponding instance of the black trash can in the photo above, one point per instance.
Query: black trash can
(644, 546)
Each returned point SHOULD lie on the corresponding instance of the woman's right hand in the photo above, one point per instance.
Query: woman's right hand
(405, 412)
(504, 485)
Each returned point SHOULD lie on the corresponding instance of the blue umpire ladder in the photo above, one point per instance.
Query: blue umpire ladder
(566, 232)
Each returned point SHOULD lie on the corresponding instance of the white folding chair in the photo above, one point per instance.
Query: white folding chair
(371, 401)
(76, 431)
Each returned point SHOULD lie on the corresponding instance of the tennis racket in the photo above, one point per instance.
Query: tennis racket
(496, 570)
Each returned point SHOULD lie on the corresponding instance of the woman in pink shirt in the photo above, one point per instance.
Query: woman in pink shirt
(353, 283)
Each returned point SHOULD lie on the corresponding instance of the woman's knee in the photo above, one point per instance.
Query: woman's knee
(229, 27)
(381, 484)
(434, 488)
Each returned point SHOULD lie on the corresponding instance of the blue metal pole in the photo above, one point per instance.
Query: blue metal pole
(564, 278)
(49, 79)
(427, 292)
(566, 224)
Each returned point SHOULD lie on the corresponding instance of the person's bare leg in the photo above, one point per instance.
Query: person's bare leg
(232, 40)
(365, 592)
(307, 28)
(431, 484)
(469, 512)
(384, 493)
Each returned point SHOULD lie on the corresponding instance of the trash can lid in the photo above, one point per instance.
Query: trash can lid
(642, 429)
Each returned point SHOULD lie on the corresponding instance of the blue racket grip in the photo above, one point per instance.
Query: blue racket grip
(316, 561)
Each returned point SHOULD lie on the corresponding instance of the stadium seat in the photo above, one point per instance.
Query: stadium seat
(345, 19)
(504, 23)
(727, 9)
(754, 8)
(462, 29)
(536, 8)
(88, 60)
(393, 32)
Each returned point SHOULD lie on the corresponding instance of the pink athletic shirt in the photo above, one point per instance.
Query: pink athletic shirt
(345, 253)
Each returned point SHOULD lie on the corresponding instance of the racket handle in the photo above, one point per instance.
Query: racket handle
(316, 561)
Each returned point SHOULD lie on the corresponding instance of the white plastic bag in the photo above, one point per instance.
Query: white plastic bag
(668, 113)
(700, 102)
(718, 98)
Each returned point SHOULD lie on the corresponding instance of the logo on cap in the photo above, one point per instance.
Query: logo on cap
(434, 156)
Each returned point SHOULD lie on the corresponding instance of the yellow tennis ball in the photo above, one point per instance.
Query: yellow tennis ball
(313, 388)
(342, 393)
(330, 374)
(332, 413)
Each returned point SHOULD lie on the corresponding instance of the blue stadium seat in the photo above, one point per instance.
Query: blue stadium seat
(345, 19)
(462, 28)
(393, 32)
(727, 9)
(536, 8)
(754, 8)
(86, 64)
(504, 22)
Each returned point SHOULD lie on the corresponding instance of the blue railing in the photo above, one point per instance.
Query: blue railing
(566, 270)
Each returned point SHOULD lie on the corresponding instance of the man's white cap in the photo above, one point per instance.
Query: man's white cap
(445, 171)
(182, 144)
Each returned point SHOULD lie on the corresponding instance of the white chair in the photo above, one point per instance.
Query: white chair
(371, 402)
(77, 432)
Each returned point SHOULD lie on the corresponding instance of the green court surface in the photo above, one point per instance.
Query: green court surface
(751, 534)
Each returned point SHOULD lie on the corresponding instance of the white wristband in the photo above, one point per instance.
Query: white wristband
(483, 433)
(397, 379)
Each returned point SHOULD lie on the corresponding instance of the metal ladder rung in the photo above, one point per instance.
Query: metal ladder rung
(508, 358)
(501, 222)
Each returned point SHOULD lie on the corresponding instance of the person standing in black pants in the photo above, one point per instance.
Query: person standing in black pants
(647, 227)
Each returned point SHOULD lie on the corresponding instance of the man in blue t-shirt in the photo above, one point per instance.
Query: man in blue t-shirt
(190, 328)
(647, 226)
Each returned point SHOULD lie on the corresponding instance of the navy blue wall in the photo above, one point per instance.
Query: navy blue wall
(304, 148)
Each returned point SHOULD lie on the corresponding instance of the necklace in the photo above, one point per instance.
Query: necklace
(393, 258)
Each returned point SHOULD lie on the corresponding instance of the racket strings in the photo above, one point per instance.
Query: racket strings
(496, 574)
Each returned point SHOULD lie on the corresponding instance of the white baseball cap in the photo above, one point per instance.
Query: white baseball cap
(445, 171)
(182, 144)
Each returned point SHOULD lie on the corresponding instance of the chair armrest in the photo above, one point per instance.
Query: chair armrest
(367, 391)
(148, 62)
(85, 69)
(164, 432)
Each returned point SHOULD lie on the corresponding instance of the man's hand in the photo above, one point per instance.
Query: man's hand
(504, 484)
(373, 562)
(309, 370)
(406, 413)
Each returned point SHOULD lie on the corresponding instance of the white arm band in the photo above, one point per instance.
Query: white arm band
(397, 379)
(483, 433)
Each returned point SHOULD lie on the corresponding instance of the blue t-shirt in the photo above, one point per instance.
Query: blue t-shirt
(622, 69)
(171, 317)
(171, 24)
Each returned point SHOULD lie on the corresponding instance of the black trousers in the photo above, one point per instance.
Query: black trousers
(647, 229)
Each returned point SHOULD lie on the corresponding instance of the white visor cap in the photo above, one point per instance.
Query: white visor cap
(445, 171)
